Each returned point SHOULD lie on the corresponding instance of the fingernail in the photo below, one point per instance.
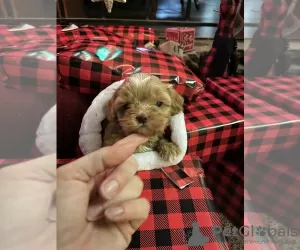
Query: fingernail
(114, 211)
(111, 188)
(93, 212)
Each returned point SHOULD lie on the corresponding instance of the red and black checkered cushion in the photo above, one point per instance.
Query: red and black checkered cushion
(28, 59)
(130, 35)
(173, 211)
(283, 92)
(255, 236)
(229, 89)
(268, 128)
(273, 184)
(90, 66)
(213, 128)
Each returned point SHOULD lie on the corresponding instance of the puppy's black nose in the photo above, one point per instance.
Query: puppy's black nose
(141, 119)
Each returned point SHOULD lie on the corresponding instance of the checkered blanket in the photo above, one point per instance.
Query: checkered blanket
(283, 92)
(174, 211)
(28, 58)
(268, 128)
(213, 127)
(228, 89)
(274, 185)
(90, 66)
(225, 177)
(130, 35)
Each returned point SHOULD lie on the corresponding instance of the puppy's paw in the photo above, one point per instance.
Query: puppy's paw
(168, 151)
(143, 148)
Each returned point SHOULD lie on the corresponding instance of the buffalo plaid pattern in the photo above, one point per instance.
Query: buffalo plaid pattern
(173, 211)
(283, 92)
(130, 35)
(35, 35)
(260, 55)
(93, 66)
(228, 11)
(65, 39)
(273, 13)
(139, 34)
(268, 128)
(255, 237)
(213, 127)
(273, 184)
(218, 58)
(31, 70)
(229, 89)
(225, 177)
(28, 58)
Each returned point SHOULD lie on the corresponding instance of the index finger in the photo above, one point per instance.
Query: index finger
(87, 167)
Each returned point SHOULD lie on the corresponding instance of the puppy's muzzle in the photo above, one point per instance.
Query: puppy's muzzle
(141, 119)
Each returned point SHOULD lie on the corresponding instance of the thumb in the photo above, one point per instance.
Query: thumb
(87, 167)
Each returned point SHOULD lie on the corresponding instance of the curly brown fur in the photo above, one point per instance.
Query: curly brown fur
(143, 105)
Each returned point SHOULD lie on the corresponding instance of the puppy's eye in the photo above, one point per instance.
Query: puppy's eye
(125, 106)
(159, 104)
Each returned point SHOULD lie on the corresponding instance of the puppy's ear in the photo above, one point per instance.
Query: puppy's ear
(110, 108)
(177, 100)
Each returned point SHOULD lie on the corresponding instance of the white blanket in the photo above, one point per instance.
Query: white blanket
(90, 132)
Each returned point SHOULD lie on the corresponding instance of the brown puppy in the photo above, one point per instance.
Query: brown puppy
(144, 105)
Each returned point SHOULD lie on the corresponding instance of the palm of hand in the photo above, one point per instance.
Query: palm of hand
(28, 193)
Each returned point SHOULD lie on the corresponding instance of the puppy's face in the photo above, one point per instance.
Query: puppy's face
(144, 105)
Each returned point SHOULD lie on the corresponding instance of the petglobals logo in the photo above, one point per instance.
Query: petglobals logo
(269, 231)
(194, 236)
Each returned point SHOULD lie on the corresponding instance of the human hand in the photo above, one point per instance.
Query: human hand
(86, 203)
(27, 212)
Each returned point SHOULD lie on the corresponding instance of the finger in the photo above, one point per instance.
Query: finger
(116, 181)
(131, 191)
(85, 168)
(130, 210)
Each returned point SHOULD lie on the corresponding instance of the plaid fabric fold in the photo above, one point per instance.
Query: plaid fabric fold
(65, 39)
(213, 127)
(273, 184)
(223, 44)
(268, 128)
(225, 177)
(174, 212)
(90, 66)
(229, 89)
(35, 35)
(283, 92)
(28, 59)
(267, 43)
(130, 35)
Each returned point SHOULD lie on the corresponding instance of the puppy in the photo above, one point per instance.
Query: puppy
(144, 105)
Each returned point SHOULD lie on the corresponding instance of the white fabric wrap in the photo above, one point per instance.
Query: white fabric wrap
(90, 138)
(46, 133)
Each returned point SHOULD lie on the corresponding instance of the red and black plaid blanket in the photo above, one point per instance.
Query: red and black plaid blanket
(228, 89)
(213, 127)
(268, 128)
(274, 185)
(90, 66)
(174, 212)
(28, 58)
(130, 35)
(283, 92)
